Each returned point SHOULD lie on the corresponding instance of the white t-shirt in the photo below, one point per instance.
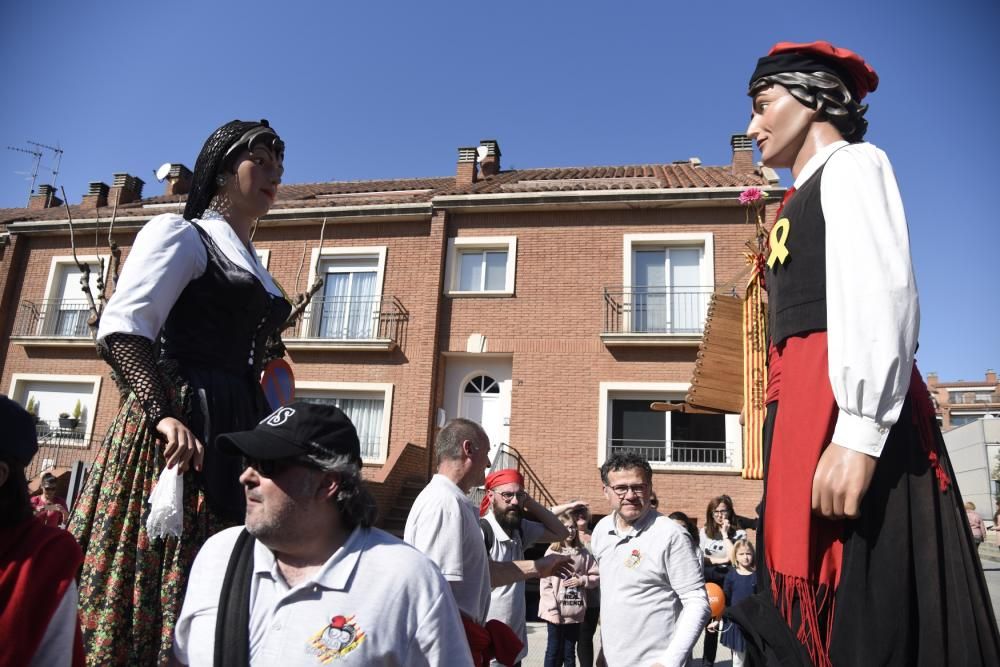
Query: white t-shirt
(168, 253)
(507, 603)
(376, 601)
(710, 547)
(644, 571)
(444, 524)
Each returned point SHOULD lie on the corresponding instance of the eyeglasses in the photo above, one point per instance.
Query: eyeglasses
(721, 512)
(510, 495)
(621, 490)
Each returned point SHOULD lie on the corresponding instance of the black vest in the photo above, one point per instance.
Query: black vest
(796, 287)
(222, 319)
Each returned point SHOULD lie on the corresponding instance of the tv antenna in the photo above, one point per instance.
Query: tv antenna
(58, 152)
(34, 170)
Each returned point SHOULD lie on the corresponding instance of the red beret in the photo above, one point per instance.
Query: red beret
(819, 56)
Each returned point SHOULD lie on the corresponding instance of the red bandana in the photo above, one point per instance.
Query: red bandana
(500, 477)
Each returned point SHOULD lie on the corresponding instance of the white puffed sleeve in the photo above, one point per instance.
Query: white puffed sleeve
(873, 316)
(167, 254)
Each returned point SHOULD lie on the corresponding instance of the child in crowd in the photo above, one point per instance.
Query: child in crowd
(738, 586)
(562, 603)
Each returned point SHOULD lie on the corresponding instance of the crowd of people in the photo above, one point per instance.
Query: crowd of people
(277, 560)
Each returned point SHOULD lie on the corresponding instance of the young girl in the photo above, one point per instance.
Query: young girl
(738, 586)
(562, 602)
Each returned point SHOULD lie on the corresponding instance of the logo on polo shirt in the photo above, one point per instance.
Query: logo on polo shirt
(633, 559)
(341, 636)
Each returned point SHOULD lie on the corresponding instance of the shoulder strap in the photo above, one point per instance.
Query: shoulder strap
(488, 537)
(232, 622)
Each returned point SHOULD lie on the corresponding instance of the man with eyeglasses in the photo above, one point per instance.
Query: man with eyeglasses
(653, 600)
(507, 533)
(443, 523)
(308, 580)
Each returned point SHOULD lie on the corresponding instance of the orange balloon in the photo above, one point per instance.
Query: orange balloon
(716, 599)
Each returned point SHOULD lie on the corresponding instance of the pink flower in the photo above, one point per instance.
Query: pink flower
(752, 195)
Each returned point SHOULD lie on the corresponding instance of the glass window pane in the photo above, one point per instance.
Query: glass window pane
(470, 277)
(634, 427)
(496, 270)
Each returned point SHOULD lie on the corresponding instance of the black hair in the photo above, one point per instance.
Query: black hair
(624, 461)
(827, 94)
(15, 503)
(688, 524)
(215, 158)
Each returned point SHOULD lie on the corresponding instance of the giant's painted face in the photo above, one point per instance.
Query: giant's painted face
(779, 124)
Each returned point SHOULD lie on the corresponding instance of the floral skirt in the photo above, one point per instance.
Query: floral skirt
(132, 587)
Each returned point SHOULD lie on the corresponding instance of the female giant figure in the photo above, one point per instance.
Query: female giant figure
(185, 333)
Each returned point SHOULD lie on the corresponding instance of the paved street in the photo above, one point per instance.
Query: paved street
(537, 631)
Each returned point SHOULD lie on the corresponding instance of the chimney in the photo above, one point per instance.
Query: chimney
(97, 195)
(742, 154)
(125, 189)
(466, 172)
(178, 180)
(932, 380)
(490, 164)
(46, 198)
(991, 376)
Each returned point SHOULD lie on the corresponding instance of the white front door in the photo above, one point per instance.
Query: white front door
(481, 403)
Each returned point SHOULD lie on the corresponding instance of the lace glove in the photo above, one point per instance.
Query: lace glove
(134, 362)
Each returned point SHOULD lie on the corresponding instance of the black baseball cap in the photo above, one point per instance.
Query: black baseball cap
(20, 440)
(296, 429)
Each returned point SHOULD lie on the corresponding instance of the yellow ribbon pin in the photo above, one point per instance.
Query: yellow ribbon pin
(779, 252)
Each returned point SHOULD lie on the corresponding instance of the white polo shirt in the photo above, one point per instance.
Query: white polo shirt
(643, 572)
(376, 601)
(507, 603)
(444, 524)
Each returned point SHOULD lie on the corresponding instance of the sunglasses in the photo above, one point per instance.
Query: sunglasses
(272, 468)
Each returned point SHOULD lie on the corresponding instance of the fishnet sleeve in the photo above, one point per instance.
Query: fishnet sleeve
(134, 362)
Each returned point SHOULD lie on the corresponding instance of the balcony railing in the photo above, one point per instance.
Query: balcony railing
(57, 446)
(973, 398)
(63, 318)
(506, 456)
(357, 318)
(655, 310)
(699, 453)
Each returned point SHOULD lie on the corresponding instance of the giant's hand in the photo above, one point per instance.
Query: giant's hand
(181, 447)
(841, 480)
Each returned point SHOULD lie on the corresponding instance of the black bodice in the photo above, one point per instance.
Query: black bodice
(223, 318)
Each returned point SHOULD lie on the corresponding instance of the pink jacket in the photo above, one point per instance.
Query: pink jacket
(561, 605)
(976, 524)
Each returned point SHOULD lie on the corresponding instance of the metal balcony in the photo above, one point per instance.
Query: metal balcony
(53, 318)
(648, 314)
(352, 323)
(58, 446)
(695, 453)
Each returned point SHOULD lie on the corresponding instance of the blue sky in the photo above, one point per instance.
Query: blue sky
(390, 89)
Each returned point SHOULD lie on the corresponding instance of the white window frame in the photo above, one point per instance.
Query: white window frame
(459, 244)
(59, 262)
(609, 391)
(341, 252)
(17, 394)
(704, 241)
(309, 388)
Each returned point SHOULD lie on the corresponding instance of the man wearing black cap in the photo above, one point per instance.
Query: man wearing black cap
(38, 563)
(308, 580)
(865, 557)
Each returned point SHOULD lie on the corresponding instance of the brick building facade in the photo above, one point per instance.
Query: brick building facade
(960, 402)
(551, 305)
